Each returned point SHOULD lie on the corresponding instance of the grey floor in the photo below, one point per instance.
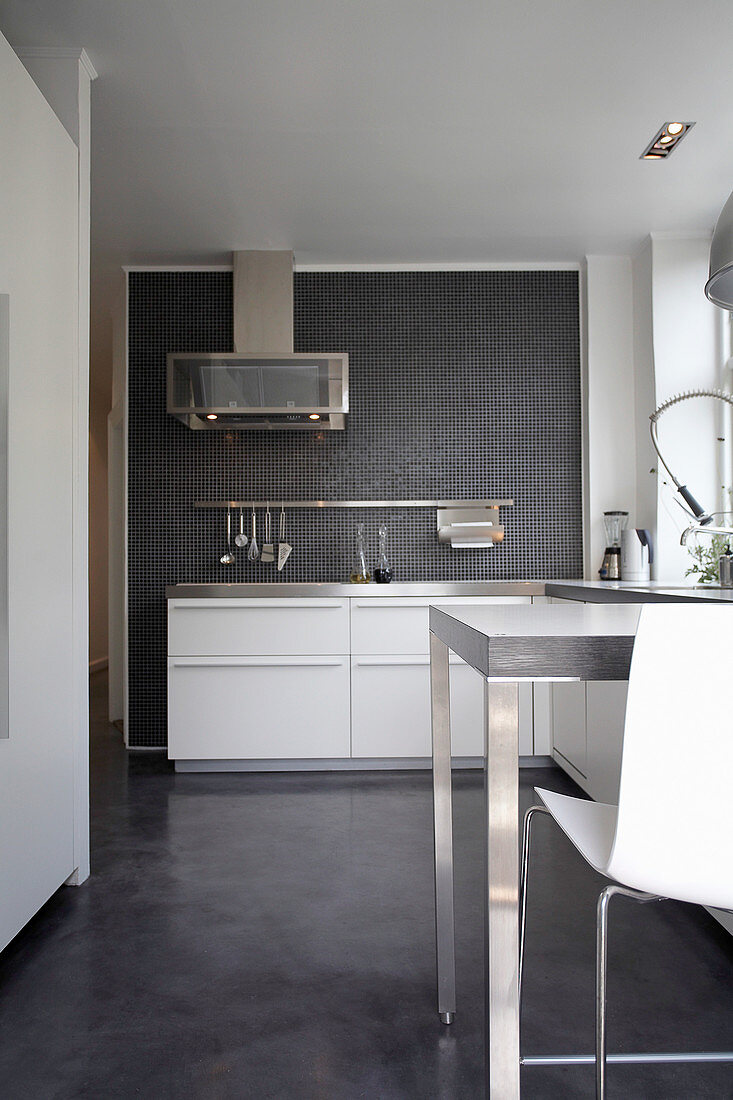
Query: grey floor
(272, 936)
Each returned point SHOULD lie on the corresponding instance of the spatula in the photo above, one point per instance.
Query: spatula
(284, 550)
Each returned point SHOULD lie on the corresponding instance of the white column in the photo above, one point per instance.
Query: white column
(687, 355)
(609, 428)
(64, 76)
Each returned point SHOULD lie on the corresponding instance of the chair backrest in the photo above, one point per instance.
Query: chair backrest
(673, 833)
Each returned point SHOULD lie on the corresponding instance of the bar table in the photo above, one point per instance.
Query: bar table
(507, 645)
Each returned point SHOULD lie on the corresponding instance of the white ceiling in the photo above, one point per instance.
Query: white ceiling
(395, 130)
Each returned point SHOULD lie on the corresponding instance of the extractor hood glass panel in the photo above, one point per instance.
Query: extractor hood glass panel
(222, 386)
(289, 385)
(232, 384)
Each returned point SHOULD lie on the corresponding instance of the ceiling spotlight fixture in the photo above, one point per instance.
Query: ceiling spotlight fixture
(211, 416)
(665, 140)
(314, 416)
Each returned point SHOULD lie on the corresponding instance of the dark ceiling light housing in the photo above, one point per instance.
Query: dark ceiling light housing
(666, 139)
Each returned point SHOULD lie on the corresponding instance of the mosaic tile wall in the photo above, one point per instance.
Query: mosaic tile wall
(462, 384)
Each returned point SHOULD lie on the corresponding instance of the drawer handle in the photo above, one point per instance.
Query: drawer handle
(225, 604)
(415, 604)
(397, 662)
(378, 662)
(253, 662)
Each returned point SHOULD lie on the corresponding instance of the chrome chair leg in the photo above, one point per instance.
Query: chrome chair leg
(524, 874)
(601, 974)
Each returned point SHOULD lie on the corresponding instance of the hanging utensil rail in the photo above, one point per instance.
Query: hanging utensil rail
(354, 503)
(462, 523)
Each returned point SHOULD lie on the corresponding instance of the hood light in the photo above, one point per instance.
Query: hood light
(314, 416)
(211, 416)
(665, 140)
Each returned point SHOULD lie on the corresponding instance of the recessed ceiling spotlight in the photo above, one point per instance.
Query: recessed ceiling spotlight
(665, 140)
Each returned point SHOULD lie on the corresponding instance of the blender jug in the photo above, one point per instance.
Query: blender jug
(614, 522)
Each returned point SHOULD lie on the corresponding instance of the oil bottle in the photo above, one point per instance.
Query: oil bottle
(359, 572)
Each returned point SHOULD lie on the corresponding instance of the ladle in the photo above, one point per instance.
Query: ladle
(240, 538)
(227, 557)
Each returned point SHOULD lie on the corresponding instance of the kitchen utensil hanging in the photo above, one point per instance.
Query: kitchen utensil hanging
(284, 549)
(268, 549)
(240, 538)
(227, 557)
(254, 551)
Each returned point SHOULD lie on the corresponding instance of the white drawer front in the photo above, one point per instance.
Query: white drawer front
(401, 625)
(210, 627)
(256, 708)
(390, 708)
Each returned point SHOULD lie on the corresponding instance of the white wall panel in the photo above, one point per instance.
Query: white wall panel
(39, 274)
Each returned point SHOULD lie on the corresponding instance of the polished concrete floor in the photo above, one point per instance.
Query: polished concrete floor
(272, 936)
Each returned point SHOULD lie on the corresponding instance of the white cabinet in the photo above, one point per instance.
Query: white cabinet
(401, 624)
(253, 627)
(569, 726)
(390, 681)
(390, 708)
(282, 678)
(390, 700)
(587, 721)
(605, 715)
(258, 679)
(258, 708)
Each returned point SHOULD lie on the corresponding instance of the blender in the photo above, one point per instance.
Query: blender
(614, 522)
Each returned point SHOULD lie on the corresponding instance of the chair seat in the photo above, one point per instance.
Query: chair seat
(590, 826)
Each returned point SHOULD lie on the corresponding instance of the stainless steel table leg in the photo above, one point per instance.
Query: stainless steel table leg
(501, 888)
(443, 825)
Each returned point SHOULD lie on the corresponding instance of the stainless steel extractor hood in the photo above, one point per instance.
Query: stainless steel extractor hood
(264, 385)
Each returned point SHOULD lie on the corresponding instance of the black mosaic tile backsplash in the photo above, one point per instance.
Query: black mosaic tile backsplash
(462, 385)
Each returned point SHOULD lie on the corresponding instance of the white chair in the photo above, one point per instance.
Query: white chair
(669, 836)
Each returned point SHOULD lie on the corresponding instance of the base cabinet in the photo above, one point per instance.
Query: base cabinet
(569, 726)
(258, 708)
(588, 733)
(605, 715)
(390, 708)
(309, 679)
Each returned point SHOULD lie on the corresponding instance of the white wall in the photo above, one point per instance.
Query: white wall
(687, 354)
(610, 434)
(644, 393)
(650, 333)
(42, 775)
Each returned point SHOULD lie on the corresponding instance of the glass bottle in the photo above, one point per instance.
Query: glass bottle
(383, 570)
(359, 572)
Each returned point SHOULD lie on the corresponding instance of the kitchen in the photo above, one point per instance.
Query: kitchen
(482, 367)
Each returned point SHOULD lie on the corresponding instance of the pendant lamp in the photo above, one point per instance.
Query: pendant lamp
(719, 287)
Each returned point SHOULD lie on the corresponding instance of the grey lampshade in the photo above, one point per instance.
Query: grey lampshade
(719, 287)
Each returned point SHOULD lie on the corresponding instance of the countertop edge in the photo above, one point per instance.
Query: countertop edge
(585, 591)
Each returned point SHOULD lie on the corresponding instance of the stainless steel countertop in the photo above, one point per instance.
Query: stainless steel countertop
(637, 592)
(378, 591)
(589, 591)
(597, 592)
